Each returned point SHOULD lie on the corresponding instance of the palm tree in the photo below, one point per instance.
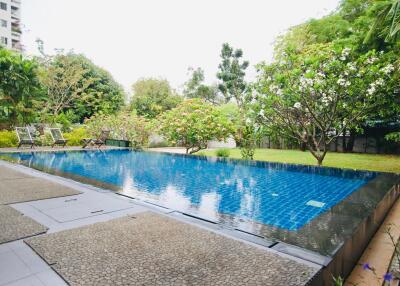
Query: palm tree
(387, 22)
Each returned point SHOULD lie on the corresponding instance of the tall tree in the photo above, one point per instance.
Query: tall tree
(20, 89)
(313, 97)
(387, 21)
(195, 87)
(76, 84)
(231, 73)
(65, 83)
(152, 97)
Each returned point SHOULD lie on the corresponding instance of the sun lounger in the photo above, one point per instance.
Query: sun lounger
(24, 137)
(99, 141)
(58, 138)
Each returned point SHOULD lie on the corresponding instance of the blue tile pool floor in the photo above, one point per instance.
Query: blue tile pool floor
(279, 195)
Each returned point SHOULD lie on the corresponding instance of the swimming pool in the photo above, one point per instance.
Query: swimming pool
(286, 197)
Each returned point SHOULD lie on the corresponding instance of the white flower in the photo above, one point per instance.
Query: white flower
(261, 113)
(279, 92)
(345, 53)
(388, 69)
(297, 105)
(352, 66)
(341, 81)
(371, 90)
(371, 60)
(380, 82)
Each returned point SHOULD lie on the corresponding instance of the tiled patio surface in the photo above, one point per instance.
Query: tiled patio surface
(151, 249)
(14, 225)
(16, 187)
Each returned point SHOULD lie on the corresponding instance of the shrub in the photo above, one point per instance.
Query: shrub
(193, 123)
(45, 139)
(75, 136)
(8, 139)
(123, 126)
(223, 152)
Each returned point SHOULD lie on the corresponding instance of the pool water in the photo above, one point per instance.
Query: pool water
(278, 195)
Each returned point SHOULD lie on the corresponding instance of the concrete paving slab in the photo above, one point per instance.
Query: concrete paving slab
(14, 225)
(152, 249)
(27, 281)
(29, 189)
(9, 174)
(50, 278)
(81, 206)
(12, 268)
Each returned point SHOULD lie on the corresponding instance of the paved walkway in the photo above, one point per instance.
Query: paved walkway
(19, 265)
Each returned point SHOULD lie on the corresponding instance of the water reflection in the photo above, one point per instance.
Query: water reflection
(230, 193)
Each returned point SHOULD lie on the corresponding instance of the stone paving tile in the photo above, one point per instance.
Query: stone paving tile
(14, 225)
(30, 189)
(151, 249)
(9, 174)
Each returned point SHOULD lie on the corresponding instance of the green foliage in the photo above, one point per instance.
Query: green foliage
(316, 95)
(195, 87)
(8, 139)
(20, 89)
(222, 152)
(152, 97)
(193, 123)
(387, 21)
(361, 25)
(104, 95)
(74, 84)
(123, 126)
(75, 136)
(248, 142)
(394, 136)
(231, 73)
(44, 139)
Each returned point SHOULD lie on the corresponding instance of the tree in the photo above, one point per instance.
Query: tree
(152, 97)
(313, 97)
(195, 87)
(102, 96)
(65, 83)
(123, 125)
(387, 21)
(20, 89)
(193, 123)
(77, 88)
(231, 73)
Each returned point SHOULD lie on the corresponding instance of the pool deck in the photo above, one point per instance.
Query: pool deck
(103, 226)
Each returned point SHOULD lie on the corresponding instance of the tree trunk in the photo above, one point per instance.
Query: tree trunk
(344, 141)
(350, 142)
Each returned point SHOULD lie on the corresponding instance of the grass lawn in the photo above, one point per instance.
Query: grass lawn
(385, 163)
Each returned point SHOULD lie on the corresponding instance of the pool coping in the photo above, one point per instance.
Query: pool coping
(342, 260)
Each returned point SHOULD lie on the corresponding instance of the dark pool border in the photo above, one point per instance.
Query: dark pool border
(362, 212)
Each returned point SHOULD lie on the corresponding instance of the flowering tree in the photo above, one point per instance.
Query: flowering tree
(124, 126)
(313, 97)
(193, 123)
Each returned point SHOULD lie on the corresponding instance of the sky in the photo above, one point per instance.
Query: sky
(134, 39)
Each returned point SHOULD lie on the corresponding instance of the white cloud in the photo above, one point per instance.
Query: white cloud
(134, 39)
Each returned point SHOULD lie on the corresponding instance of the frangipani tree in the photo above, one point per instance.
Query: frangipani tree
(193, 123)
(314, 96)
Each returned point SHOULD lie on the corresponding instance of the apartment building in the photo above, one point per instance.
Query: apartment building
(10, 27)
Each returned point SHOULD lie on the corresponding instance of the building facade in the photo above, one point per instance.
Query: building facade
(10, 26)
